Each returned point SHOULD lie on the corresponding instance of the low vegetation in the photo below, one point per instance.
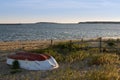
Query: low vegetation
(101, 59)
(104, 72)
(77, 62)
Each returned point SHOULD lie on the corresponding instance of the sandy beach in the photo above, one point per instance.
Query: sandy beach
(26, 45)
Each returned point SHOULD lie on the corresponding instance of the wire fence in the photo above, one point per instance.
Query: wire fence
(103, 45)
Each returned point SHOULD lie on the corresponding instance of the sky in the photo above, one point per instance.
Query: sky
(61, 11)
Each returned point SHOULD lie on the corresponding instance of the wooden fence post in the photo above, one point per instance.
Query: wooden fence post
(82, 39)
(100, 44)
(70, 45)
(51, 42)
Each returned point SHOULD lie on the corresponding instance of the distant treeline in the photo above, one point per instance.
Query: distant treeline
(99, 22)
(11, 24)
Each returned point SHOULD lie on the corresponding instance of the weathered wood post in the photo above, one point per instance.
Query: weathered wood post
(82, 39)
(100, 44)
(70, 45)
(82, 43)
(51, 42)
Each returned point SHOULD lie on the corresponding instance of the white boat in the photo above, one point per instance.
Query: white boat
(31, 61)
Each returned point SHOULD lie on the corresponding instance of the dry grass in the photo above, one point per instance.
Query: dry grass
(76, 65)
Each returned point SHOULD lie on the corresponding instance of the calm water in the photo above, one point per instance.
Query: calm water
(57, 31)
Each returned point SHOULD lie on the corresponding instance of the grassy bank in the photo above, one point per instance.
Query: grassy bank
(76, 63)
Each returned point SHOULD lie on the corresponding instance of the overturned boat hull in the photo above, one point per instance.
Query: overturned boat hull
(33, 62)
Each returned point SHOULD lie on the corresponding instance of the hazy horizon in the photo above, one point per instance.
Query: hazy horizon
(59, 11)
(65, 22)
(54, 22)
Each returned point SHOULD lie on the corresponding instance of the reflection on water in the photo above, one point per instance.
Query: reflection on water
(57, 31)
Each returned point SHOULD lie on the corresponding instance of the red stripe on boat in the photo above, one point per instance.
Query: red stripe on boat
(29, 56)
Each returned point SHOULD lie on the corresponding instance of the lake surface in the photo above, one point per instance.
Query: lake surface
(57, 31)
